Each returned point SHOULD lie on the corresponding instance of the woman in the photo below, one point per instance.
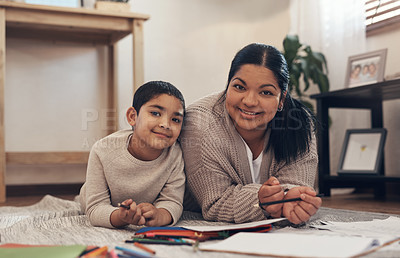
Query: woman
(251, 143)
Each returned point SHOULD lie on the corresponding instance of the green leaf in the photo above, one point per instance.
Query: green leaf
(291, 46)
(323, 83)
(321, 59)
(306, 64)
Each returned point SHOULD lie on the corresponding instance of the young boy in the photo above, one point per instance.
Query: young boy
(141, 168)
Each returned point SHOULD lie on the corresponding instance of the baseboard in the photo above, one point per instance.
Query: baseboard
(52, 189)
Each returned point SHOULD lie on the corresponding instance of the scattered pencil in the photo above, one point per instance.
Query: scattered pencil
(133, 252)
(97, 252)
(143, 247)
(112, 254)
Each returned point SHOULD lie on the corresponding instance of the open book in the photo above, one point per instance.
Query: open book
(293, 245)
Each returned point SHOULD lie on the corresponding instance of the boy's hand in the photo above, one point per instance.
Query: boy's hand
(123, 216)
(271, 191)
(154, 217)
(301, 211)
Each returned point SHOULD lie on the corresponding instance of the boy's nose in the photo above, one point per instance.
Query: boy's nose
(165, 124)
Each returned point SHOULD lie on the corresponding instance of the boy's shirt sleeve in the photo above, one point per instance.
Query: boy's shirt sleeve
(95, 197)
(171, 196)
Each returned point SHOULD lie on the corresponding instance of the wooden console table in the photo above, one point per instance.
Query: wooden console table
(19, 20)
(363, 97)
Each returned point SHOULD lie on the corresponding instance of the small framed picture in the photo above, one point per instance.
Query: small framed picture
(366, 68)
(362, 151)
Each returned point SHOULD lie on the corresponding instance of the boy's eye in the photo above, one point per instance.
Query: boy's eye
(238, 86)
(155, 113)
(176, 120)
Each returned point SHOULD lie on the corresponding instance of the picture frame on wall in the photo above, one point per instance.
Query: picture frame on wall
(362, 152)
(367, 68)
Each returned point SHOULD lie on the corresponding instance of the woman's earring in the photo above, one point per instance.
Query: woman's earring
(280, 108)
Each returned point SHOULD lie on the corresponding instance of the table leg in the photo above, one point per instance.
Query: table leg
(137, 50)
(2, 83)
(323, 147)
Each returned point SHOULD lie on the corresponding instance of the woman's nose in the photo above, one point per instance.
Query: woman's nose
(250, 99)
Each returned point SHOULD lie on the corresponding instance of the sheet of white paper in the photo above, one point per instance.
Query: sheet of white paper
(291, 244)
(388, 229)
(233, 226)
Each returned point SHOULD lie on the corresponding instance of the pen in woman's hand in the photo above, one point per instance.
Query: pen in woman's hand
(124, 206)
(283, 201)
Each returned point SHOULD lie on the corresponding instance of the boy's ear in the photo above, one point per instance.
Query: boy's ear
(131, 116)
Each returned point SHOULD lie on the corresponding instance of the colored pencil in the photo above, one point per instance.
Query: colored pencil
(89, 250)
(96, 252)
(155, 241)
(133, 252)
(112, 254)
(143, 247)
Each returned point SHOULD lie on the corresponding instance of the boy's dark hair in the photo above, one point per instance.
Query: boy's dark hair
(292, 127)
(152, 89)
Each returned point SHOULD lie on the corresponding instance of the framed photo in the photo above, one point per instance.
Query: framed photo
(362, 151)
(366, 68)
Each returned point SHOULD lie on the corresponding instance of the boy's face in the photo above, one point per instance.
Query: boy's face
(157, 126)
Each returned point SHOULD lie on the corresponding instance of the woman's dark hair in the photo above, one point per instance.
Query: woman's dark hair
(152, 89)
(292, 127)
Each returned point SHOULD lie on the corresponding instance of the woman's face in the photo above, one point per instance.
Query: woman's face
(252, 99)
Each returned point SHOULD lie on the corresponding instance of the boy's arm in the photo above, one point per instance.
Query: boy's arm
(96, 195)
(171, 196)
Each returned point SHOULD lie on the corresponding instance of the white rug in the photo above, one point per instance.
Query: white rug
(54, 221)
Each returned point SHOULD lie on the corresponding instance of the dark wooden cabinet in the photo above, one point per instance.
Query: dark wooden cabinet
(364, 97)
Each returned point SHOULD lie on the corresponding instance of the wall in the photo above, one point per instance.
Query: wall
(390, 39)
(55, 90)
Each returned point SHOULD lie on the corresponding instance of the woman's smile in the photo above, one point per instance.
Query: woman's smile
(249, 114)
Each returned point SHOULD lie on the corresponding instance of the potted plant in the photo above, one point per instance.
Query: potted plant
(304, 65)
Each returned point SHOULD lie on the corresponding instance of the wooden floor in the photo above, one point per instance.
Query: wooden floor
(349, 201)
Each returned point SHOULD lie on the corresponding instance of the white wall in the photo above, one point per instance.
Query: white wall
(191, 43)
(391, 119)
(52, 88)
(360, 118)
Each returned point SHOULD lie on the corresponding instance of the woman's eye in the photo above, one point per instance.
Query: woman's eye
(239, 87)
(176, 120)
(266, 92)
(155, 113)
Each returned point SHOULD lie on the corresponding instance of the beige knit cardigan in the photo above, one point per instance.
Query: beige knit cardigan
(218, 171)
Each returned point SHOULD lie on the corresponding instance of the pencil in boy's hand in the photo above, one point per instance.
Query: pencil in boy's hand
(283, 201)
(124, 206)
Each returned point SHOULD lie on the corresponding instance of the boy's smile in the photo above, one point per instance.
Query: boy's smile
(156, 127)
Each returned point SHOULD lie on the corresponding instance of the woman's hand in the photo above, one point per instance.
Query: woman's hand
(123, 216)
(271, 191)
(154, 217)
(301, 211)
